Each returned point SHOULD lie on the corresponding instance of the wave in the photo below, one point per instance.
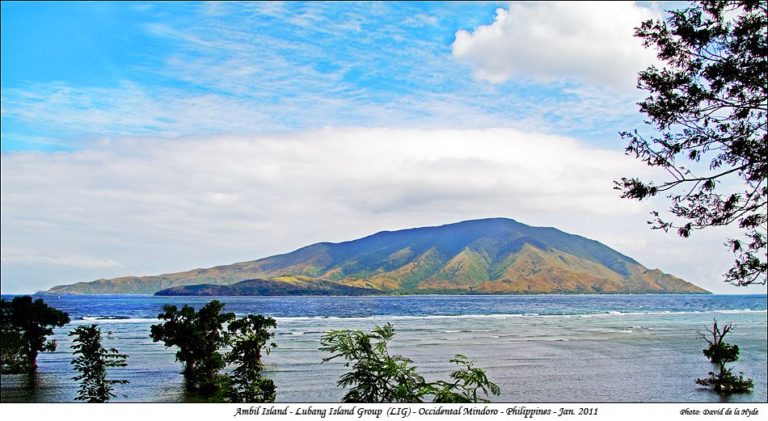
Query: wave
(113, 320)
(515, 315)
(105, 317)
(385, 317)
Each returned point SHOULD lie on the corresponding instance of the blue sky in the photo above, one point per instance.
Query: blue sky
(79, 72)
(145, 138)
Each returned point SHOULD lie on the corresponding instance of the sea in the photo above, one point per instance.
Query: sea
(537, 348)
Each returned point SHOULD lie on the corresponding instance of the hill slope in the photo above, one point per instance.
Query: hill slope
(274, 287)
(481, 256)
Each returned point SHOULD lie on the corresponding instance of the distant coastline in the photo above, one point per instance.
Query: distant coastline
(261, 287)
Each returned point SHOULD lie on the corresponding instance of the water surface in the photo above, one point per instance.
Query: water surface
(542, 348)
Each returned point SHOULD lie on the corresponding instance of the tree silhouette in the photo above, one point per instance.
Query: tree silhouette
(709, 104)
(249, 336)
(721, 353)
(91, 361)
(24, 327)
(466, 384)
(376, 376)
(199, 336)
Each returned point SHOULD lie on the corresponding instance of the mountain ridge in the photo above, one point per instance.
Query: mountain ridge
(493, 255)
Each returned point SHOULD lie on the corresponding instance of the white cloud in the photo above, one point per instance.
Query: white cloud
(130, 110)
(159, 206)
(227, 75)
(588, 42)
(11, 257)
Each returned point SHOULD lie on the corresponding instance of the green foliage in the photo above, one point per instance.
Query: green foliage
(12, 359)
(720, 353)
(198, 336)
(91, 361)
(709, 104)
(249, 336)
(24, 326)
(257, 389)
(466, 384)
(201, 335)
(377, 376)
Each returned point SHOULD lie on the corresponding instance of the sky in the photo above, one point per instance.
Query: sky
(146, 138)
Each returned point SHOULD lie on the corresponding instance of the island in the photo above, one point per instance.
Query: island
(485, 256)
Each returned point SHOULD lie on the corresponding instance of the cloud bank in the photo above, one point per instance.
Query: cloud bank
(149, 206)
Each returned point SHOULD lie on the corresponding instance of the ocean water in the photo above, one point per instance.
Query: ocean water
(537, 348)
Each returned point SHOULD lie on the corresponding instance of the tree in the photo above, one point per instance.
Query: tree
(199, 336)
(465, 385)
(721, 353)
(91, 361)
(249, 336)
(377, 376)
(24, 327)
(709, 104)
(11, 342)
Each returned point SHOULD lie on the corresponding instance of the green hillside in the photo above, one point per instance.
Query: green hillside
(493, 256)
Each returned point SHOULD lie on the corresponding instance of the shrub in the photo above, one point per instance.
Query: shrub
(720, 353)
(199, 336)
(249, 336)
(24, 327)
(376, 376)
(91, 361)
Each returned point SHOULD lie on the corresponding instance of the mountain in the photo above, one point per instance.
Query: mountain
(495, 256)
(285, 285)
